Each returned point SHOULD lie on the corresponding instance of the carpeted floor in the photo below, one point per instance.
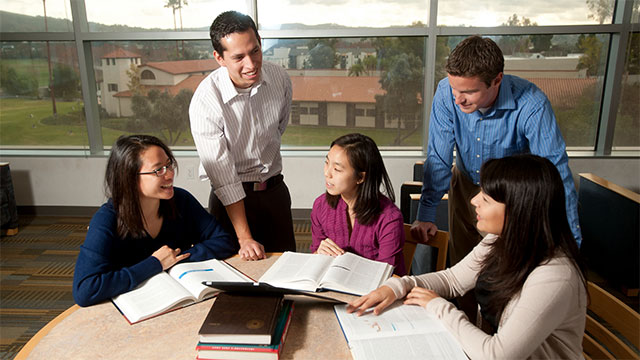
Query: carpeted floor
(36, 272)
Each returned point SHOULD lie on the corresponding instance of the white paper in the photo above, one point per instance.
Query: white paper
(400, 332)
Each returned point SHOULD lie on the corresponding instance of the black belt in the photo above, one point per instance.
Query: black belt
(261, 186)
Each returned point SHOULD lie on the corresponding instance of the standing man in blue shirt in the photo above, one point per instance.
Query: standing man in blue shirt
(484, 114)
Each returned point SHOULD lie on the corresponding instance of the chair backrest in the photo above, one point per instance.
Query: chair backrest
(440, 242)
(609, 323)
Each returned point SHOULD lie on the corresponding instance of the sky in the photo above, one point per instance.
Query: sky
(353, 13)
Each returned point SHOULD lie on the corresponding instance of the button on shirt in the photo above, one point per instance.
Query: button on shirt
(238, 134)
(521, 121)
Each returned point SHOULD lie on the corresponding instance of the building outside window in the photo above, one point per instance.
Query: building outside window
(374, 73)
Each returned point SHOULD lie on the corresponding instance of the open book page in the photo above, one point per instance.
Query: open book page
(297, 271)
(408, 347)
(354, 274)
(154, 296)
(191, 275)
(403, 331)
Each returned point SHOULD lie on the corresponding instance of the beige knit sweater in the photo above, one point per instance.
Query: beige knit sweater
(544, 321)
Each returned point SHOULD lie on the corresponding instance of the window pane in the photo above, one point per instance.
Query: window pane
(569, 69)
(635, 14)
(146, 87)
(368, 85)
(300, 14)
(514, 13)
(32, 114)
(627, 133)
(153, 15)
(29, 16)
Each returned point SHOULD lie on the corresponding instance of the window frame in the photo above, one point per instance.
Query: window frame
(619, 31)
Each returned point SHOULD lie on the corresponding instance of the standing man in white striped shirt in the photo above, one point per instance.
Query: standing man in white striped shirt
(238, 115)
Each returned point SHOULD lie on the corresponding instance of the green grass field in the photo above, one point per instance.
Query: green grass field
(21, 125)
(33, 66)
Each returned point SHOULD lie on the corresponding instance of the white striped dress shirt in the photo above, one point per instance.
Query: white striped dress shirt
(237, 134)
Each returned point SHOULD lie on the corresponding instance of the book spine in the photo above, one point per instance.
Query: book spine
(234, 348)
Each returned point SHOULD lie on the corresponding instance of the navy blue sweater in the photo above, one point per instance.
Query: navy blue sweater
(108, 265)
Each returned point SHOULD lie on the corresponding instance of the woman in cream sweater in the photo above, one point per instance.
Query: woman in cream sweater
(526, 273)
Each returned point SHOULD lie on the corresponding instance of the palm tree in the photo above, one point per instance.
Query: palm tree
(46, 29)
(173, 4)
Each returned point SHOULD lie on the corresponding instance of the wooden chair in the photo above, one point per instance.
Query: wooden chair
(605, 342)
(440, 242)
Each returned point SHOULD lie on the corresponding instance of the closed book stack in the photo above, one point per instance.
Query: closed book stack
(217, 350)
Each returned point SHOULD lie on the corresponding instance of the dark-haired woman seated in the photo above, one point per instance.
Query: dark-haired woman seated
(527, 274)
(353, 215)
(147, 225)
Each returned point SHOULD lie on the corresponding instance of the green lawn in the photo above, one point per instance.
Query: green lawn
(314, 136)
(33, 66)
(21, 125)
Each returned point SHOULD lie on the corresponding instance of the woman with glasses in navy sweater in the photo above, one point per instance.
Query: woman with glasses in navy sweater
(145, 227)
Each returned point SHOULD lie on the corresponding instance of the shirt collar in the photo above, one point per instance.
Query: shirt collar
(505, 100)
(229, 91)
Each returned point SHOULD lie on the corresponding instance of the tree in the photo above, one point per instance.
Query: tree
(403, 84)
(541, 43)
(322, 56)
(601, 10)
(357, 69)
(162, 112)
(176, 5)
(516, 44)
(134, 79)
(19, 85)
(66, 82)
(591, 48)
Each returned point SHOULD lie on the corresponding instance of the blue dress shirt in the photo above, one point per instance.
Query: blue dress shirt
(520, 121)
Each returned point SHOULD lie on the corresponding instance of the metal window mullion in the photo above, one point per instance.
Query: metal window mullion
(429, 71)
(87, 78)
(252, 6)
(529, 30)
(613, 78)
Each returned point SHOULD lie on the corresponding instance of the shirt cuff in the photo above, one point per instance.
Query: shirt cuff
(426, 214)
(230, 194)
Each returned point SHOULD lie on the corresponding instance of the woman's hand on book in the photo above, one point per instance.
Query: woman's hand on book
(169, 257)
(420, 296)
(328, 247)
(380, 298)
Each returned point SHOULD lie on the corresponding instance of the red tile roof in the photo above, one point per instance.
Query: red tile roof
(358, 89)
(563, 92)
(190, 83)
(184, 66)
(121, 53)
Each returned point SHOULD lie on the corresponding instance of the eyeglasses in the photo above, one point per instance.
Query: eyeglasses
(161, 171)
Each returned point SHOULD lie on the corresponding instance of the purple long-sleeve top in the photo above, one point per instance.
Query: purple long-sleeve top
(382, 240)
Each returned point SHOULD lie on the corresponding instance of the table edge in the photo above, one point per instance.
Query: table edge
(33, 342)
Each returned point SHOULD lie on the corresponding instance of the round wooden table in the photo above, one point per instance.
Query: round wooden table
(100, 331)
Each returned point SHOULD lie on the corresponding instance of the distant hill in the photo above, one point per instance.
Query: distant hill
(12, 22)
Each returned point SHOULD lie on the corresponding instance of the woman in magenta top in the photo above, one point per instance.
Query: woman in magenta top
(353, 215)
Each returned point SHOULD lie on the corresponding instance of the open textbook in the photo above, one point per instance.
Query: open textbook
(348, 273)
(399, 332)
(178, 287)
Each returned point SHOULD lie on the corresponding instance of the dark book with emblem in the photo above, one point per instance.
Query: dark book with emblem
(241, 319)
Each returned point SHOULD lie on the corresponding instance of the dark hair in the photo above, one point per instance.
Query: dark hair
(476, 56)
(535, 225)
(230, 22)
(121, 183)
(364, 157)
